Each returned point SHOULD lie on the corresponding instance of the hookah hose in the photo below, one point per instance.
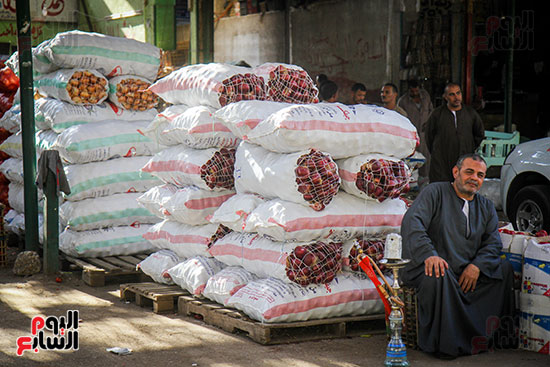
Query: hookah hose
(365, 265)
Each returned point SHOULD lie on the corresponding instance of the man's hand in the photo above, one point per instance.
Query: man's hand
(468, 278)
(435, 264)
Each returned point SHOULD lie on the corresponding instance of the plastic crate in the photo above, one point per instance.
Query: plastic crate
(496, 146)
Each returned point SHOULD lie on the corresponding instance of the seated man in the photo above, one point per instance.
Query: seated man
(464, 289)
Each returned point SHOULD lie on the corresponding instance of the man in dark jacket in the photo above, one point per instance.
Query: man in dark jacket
(452, 130)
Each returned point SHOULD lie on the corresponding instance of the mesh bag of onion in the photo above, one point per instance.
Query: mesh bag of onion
(205, 168)
(374, 176)
(308, 178)
(77, 86)
(288, 83)
(351, 250)
(316, 263)
(213, 84)
(130, 92)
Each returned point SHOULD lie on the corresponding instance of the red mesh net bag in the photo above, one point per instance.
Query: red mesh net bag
(372, 247)
(316, 263)
(288, 83)
(242, 87)
(381, 179)
(317, 178)
(218, 170)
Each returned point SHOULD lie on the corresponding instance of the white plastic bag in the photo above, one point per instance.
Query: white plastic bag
(272, 300)
(345, 218)
(210, 169)
(234, 212)
(337, 129)
(107, 211)
(185, 240)
(193, 274)
(308, 177)
(241, 117)
(77, 86)
(11, 120)
(226, 283)
(58, 115)
(161, 121)
(374, 176)
(111, 241)
(12, 168)
(154, 198)
(110, 55)
(105, 178)
(104, 140)
(213, 85)
(157, 264)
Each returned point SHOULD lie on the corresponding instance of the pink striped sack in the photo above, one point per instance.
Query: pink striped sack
(272, 300)
(374, 176)
(214, 85)
(234, 212)
(193, 273)
(185, 240)
(302, 263)
(226, 283)
(160, 122)
(345, 218)
(308, 177)
(337, 129)
(197, 128)
(209, 169)
(241, 117)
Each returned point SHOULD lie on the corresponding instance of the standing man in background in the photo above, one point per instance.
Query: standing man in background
(452, 130)
(418, 105)
(389, 94)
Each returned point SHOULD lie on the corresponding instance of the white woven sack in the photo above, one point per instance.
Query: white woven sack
(107, 211)
(185, 240)
(161, 122)
(337, 129)
(45, 140)
(13, 146)
(191, 205)
(12, 168)
(14, 222)
(269, 174)
(110, 55)
(241, 117)
(234, 212)
(154, 198)
(16, 197)
(104, 140)
(11, 120)
(156, 265)
(40, 63)
(197, 128)
(345, 218)
(271, 300)
(349, 168)
(196, 85)
(58, 85)
(193, 274)
(257, 254)
(181, 166)
(115, 176)
(136, 99)
(226, 283)
(111, 241)
(59, 115)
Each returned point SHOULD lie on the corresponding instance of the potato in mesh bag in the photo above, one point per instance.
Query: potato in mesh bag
(130, 92)
(78, 86)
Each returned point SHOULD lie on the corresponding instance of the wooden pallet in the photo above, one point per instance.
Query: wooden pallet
(96, 272)
(234, 321)
(162, 297)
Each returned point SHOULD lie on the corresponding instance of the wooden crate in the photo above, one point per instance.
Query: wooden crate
(96, 272)
(162, 297)
(234, 321)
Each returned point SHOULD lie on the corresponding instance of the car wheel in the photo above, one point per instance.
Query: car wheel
(530, 209)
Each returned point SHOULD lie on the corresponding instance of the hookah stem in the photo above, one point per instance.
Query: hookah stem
(382, 276)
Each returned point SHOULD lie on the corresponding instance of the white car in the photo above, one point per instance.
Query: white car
(525, 186)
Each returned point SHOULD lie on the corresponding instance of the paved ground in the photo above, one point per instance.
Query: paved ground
(165, 340)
